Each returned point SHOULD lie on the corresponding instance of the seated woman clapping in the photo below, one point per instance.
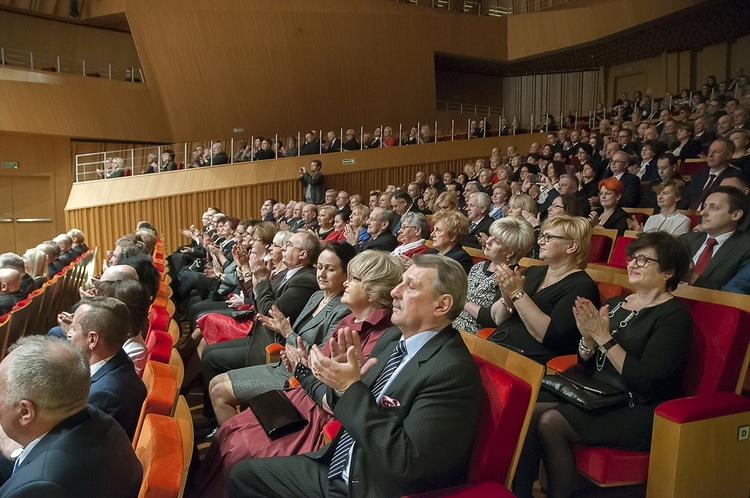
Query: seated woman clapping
(314, 324)
(640, 342)
(449, 230)
(510, 239)
(669, 219)
(371, 276)
(534, 315)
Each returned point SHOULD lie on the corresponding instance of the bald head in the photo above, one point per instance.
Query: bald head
(63, 241)
(10, 280)
(119, 272)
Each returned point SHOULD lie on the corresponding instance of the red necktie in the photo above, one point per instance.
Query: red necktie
(705, 256)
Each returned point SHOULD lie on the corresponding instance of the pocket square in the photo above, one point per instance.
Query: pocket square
(389, 402)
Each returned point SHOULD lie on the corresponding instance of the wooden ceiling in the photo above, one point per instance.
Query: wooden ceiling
(694, 28)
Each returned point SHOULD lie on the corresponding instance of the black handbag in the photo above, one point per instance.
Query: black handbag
(576, 386)
(276, 414)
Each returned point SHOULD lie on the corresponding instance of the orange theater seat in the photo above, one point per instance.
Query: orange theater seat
(160, 452)
(161, 388)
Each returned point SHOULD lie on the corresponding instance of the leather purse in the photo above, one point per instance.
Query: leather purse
(576, 386)
(276, 414)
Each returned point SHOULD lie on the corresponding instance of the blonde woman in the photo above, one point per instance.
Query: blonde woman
(34, 262)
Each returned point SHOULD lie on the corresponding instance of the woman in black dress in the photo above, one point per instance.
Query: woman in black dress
(534, 315)
(643, 341)
(610, 215)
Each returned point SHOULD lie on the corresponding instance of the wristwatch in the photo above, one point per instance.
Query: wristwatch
(608, 345)
(517, 295)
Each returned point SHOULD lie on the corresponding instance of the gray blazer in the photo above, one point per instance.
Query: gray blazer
(317, 329)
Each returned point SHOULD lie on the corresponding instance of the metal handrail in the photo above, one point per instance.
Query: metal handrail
(25, 59)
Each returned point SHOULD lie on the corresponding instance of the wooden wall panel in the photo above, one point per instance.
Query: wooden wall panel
(584, 22)
(73, 106)
(68, 40)
(280, 67)
(107, 209)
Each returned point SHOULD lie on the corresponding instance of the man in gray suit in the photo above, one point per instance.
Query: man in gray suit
(408, 417)
(720, 249)
(288, 290)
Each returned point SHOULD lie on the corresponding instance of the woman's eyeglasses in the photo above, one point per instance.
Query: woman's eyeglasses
(641, 260)
(547, 236)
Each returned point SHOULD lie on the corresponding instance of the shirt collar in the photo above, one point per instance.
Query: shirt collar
(99, 364)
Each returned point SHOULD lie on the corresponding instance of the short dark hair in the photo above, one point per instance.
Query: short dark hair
(135, 297)
(668, 156)
(148, 275)
(670, 252)
(736, 199)
(402, 195)
(343, 250)
(317, 161)
(109, 317)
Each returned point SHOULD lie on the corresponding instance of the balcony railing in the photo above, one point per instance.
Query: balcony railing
(25, 59)
(494, 8)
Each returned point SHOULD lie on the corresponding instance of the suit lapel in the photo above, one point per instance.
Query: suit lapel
(722, 254)
(113, 363)
(432, 346)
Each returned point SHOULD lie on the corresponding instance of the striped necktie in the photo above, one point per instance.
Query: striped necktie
(341, 454)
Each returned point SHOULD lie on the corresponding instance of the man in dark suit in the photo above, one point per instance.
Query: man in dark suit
(605, 168)
(626, 143)
(401, 203)
(478, 209)
(702, 181)
(378, 226)
(342, 203)
(720, 250)
(219, 156)
(64, 243)
(100, 327)
(408, 423)
(666, 167)
(61, 447)
(334, 142)
(15, 262)
(702, 134)
(631, 192)
(52, 257)
(288, 291)
(79, 246)
(10, 289)
(311, 145)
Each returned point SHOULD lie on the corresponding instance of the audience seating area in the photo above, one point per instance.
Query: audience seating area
(37, 313)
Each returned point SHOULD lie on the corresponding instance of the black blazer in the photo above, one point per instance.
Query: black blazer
(458, 254)
(691, 150)
(482, 227)
(118, 391)
(386, 241)
(334, 146)
(404, 449)
(87, 454)
(618, 220)
(699, 179)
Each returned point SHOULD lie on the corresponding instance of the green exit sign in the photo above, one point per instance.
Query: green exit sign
(351, 160)
(10, 164)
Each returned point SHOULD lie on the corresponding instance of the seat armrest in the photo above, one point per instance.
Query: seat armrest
(703, 407)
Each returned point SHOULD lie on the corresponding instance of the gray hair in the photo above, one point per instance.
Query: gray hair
(482, 199)
(450, 279)
(50, 372)
(12, 260)
(380, 273)
(474, 186)
(420, 221)
(572, 178)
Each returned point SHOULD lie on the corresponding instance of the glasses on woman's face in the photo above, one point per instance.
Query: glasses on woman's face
(351, 278)
(546, 237)
(641, 260)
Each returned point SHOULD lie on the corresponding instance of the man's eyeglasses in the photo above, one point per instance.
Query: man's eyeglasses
(547, 236)
(641, 260)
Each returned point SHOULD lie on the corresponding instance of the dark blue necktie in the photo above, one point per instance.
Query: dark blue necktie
(341, 454)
